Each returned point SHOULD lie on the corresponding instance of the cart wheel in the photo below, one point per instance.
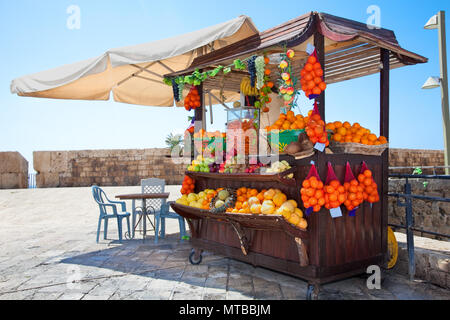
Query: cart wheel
(392, 249)
(192, 258)
(312, 292)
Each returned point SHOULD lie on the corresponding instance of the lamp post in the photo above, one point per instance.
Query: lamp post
(438, 22)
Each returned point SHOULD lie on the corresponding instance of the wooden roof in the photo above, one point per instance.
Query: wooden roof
(352, 49)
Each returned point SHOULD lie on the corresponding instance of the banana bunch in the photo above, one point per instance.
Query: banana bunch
(247, 89)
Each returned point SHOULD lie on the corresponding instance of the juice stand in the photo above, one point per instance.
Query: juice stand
(327, 246)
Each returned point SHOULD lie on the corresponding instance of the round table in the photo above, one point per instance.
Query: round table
(145, 213)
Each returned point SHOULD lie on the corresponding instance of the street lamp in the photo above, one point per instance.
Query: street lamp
(431, 83)
(438, 22)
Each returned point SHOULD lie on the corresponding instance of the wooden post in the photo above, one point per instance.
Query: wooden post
(384, 93)
(384, 131)
(198, 113)
(319, 43)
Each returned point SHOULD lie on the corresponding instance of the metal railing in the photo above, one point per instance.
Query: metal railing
(408, 205)
(32, 181)
(433, 168)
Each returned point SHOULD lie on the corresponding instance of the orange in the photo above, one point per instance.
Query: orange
(300, 124)
(335, 184)
(337, 137)
(316, 208)
(337, 124)
(320, 185)
(312, 60)
(314, 183)
(306, 184)
(312, 201)
(342, 131)
(356, 139)
(321, 201)
(318, 130)
(346, 125)
(286, 125)
(308, 67)
(372, 137)
(318, 194)
(367, 173)
(348, 139)
(267, 72)
(368, 182)
(361, 177)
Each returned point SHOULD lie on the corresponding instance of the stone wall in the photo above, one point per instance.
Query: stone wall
(104, 167)
(432, 260)
(13, 171)
(428, 215)
(416, 157)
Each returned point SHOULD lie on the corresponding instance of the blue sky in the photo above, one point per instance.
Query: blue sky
(36, 38)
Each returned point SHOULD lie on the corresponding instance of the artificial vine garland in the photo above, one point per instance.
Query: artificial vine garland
(287, 82)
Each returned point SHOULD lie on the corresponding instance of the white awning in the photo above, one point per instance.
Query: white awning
(134, 74)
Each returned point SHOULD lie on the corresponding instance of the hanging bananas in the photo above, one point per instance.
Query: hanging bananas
(247, 89)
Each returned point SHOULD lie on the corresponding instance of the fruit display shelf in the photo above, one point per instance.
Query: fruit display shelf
(261, 177)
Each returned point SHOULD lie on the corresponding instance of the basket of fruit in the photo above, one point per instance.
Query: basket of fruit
(359, 148)
(225, 198)
(347, 138)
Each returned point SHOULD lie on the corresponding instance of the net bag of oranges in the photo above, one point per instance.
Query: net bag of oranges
(315, 128)
(192, 100)
(365, 178)
(312, 192)
(335, 194)
(312, 75)
(355, 192)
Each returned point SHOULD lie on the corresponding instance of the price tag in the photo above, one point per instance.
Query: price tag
(336, 212)
(319, 146)
(310, 49)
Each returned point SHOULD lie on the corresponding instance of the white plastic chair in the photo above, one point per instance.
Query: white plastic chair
(160, 207)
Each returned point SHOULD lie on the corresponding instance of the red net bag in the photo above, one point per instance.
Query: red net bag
(315, 128)
(312, 193)
(354, 191)
(335, 194)
(365, 179)
(311, 77)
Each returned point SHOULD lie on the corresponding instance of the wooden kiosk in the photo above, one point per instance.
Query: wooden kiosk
(330, 249)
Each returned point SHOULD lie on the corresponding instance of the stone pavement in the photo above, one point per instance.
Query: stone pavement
(48, 251)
